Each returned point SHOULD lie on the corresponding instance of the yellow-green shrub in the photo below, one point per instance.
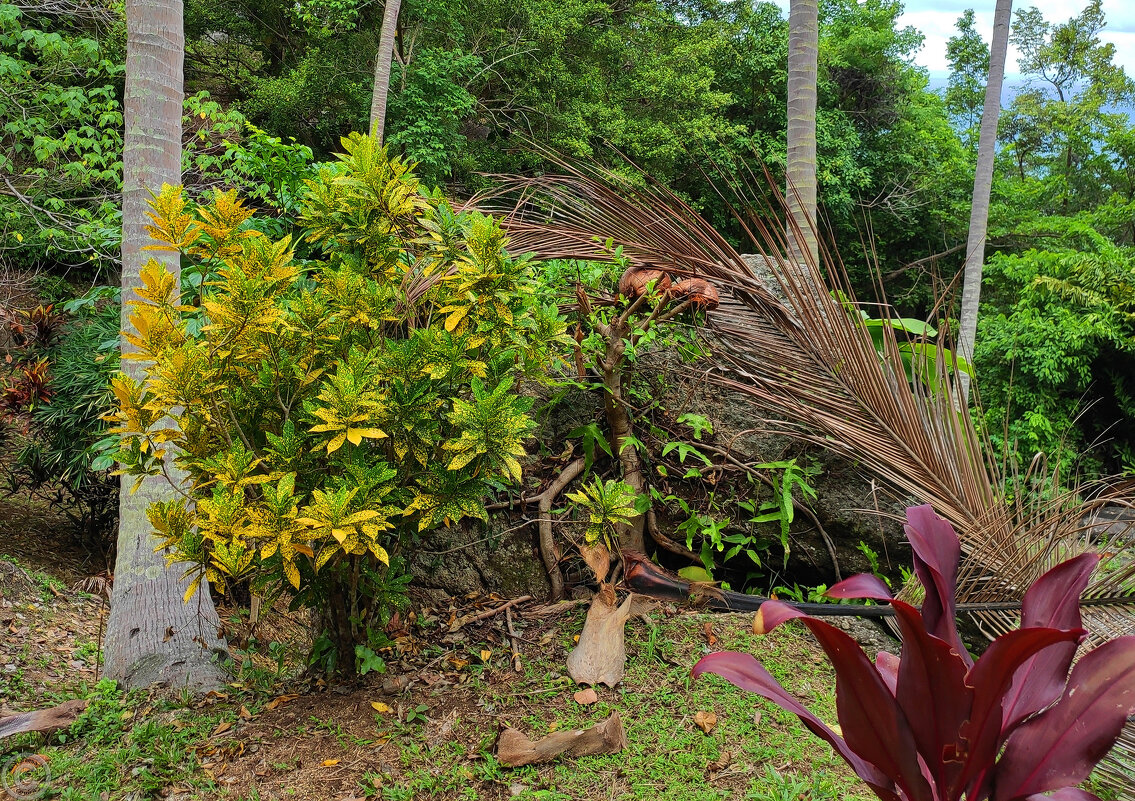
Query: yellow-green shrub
(328, 411)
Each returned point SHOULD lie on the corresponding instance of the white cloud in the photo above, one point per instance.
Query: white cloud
(936, 19)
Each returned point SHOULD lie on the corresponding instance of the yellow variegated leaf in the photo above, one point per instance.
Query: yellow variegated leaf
(336, 443)
(513, 467)
(461, 459)
(293, 574)
(369, 433)
(454, 319)
(324, 557)
(192, 588)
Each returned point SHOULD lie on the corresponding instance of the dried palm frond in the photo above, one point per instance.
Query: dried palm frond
(813, 371)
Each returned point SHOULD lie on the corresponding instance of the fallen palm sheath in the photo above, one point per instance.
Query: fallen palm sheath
(515, 749)
(45, 721)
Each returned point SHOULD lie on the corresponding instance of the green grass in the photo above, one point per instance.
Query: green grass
(125, 745)
(137, 746)
(770, 755)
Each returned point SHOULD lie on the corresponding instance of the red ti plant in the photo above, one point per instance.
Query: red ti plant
(932, 724)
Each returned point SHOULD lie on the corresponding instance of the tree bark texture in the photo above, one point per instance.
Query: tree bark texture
(153, 637)
(800, 192)
(382, 68)
(622, 428)
(982, 188)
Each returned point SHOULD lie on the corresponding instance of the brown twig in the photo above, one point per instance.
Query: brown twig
(496, 611)
(554, 609)
(513, 638)
(547, 544)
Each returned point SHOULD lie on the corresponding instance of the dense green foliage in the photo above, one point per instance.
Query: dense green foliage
(328, 412)
(673, 86)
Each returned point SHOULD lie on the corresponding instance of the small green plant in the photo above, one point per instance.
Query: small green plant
(608, 504)
(367, 661)
(787, 477)
(416, 714)
(873, 560)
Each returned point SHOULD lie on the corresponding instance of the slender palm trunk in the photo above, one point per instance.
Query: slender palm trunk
(982, 187)
(382, 68)
(800, 192)
(153, 637)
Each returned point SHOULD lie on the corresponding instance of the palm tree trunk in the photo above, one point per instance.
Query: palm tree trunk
(800, 192)
(382, 68)
(153, 637)
(982, 187)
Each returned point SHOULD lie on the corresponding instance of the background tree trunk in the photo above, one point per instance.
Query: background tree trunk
(982, 187)
(153, 637)
(382, 68)
(800, 192)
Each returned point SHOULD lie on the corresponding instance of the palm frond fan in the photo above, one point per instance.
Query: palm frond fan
(813, 371)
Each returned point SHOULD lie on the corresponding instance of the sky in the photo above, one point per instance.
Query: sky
(936, 20)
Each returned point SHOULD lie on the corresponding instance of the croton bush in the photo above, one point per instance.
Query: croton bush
(933, 724)
(328, 411)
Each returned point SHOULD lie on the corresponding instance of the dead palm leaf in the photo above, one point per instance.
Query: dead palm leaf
(812, 370)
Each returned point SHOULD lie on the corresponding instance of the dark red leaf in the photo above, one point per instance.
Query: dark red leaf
(772, 614)
(990, 678)
(888, 666)
(1060, 746)
(936, 555)
(1053, 601)
(744, 671)
(862, 585)
(873, 724)
(932, 693)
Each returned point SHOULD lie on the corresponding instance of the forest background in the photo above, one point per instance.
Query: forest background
(670, 86)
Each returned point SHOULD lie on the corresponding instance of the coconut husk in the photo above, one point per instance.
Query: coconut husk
(698, 291)
(634, 281)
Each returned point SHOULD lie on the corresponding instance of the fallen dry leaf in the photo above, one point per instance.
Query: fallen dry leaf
(705, 721)
(721, 763)
(378, 706)
(710, 637)
(485, 655)
(330, 763)
(244, 713)
(222, 728)
(281, 699)
(587, 696)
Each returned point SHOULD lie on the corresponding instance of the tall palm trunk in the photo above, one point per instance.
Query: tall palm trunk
(982, 186)
(153, 637)
(382, 68)
(800, 192)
